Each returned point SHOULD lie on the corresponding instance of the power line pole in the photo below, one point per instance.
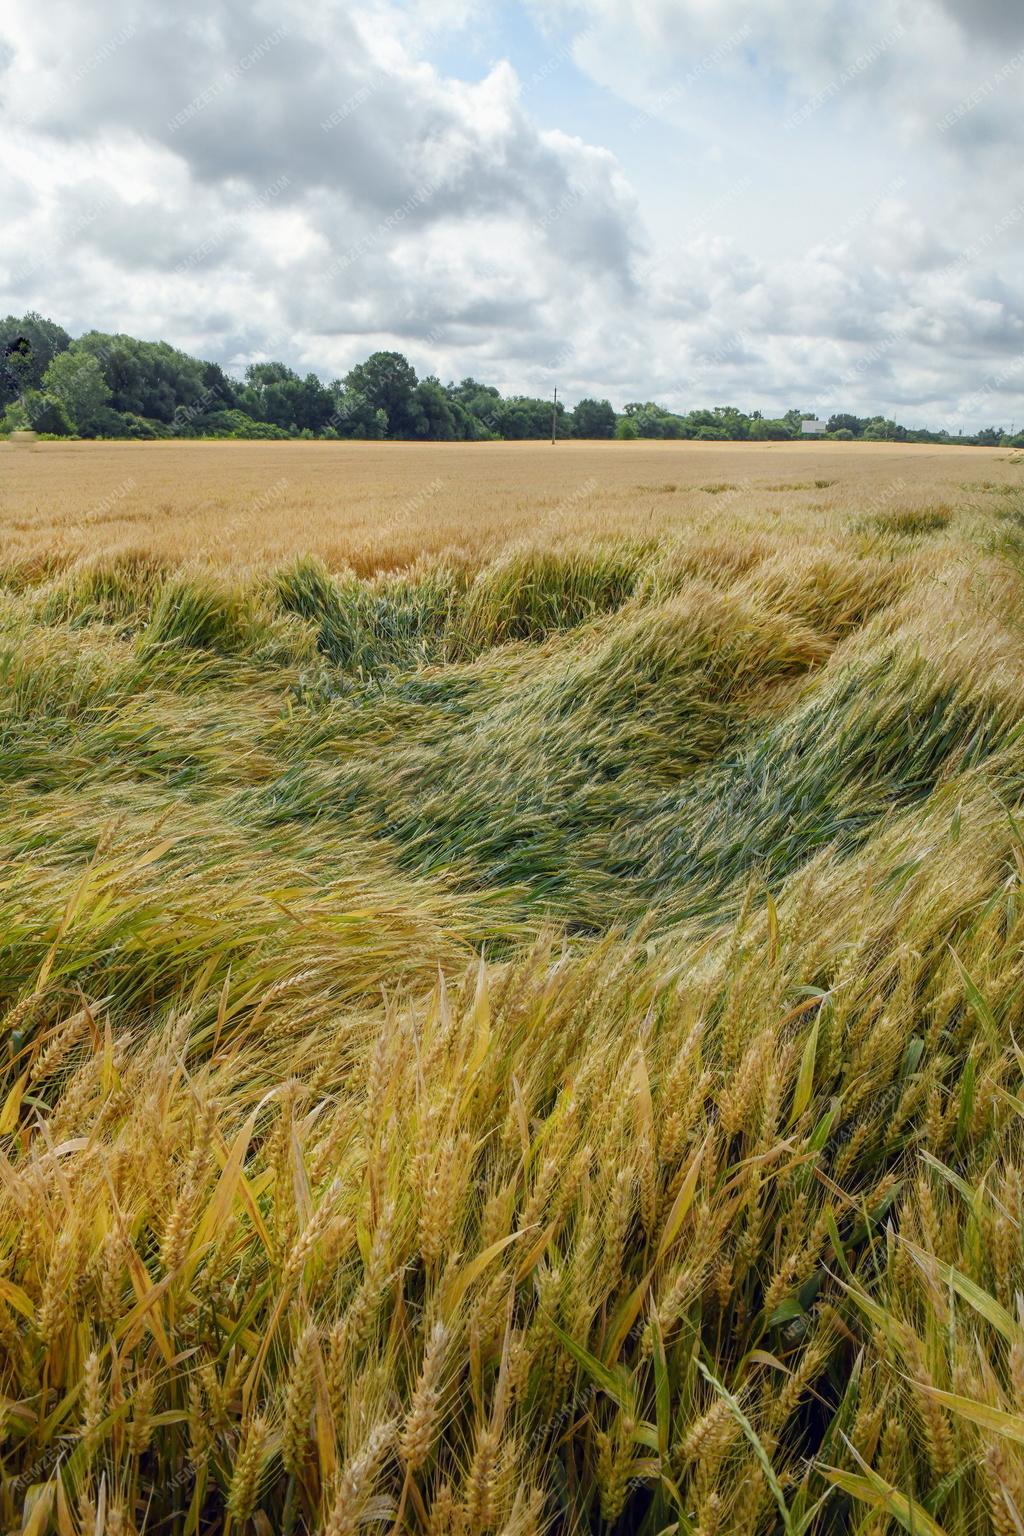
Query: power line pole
(554, 417)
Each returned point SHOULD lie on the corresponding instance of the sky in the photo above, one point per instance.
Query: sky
(760, 203)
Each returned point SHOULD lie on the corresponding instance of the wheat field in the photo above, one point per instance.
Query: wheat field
(381, 506)
(512, 990)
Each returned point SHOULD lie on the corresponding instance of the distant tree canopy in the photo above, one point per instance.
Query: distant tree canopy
(101, 385)
(76, 379)
(593, 418)
(274, 393)
(387, 382)
(148, 378)
(28, 345)
(844, 423)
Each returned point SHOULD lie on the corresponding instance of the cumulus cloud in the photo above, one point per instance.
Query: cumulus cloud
(837, 194)
(295, 147)
(871, 187)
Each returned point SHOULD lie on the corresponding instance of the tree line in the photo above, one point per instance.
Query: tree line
(100, 385)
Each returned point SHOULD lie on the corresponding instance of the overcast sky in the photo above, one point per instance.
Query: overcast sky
(763, 203)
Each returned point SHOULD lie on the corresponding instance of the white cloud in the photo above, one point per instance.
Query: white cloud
(227, 145)
(830, 198)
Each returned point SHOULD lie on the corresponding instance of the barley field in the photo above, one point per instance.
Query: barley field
(512, 989)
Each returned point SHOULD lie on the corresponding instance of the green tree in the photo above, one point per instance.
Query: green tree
(76, 379)
(387, 380)
(148, 378)
(478, 409)
(593, 418)
(734, 423)
(879, 429)
(315, 404)
(653, 420)
(762, 431)
(527, 416)
(218, 390)
(433, 414)
(38, 412)
(28, 345)
(275, 393)
(353, 415)
(843, 421)
(269, 393)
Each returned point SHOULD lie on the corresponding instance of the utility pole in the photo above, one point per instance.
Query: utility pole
(554, 417)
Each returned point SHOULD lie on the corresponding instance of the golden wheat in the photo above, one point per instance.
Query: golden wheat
(527, 1040)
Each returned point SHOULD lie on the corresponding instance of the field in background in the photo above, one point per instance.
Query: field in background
(527, 1041)
(389, 504)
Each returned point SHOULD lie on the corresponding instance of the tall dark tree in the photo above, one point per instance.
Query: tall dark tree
(387, 381)
(433, 414)
(353, 415)
(275, 393)
(218, 389)
(76, 380)
(28, 345)
(842, 421)
(478, 407)
(147, 378)
(593, 418)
